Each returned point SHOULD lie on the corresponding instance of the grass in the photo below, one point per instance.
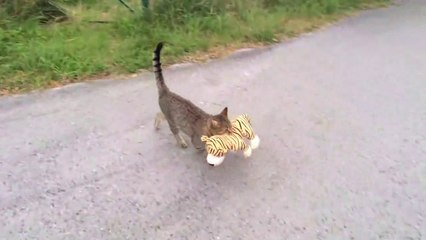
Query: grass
(34, 56)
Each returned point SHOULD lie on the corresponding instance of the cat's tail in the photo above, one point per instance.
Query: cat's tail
(156, 63)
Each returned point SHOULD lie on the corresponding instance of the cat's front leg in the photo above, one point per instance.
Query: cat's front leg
(180, 140)
(197, 143)
(175, 130)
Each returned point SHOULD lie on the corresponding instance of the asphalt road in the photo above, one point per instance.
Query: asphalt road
(341, 114)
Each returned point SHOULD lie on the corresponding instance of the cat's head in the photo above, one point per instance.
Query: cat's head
(220, 124)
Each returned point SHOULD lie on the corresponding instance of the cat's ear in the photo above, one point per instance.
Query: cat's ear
(214, 123)
(224, 112)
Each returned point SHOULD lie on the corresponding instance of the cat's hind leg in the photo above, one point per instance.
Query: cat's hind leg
(159, 117)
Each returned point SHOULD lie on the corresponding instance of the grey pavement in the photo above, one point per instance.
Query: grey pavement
(341, 114)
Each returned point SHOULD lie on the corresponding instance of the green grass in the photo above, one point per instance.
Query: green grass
(34, 56)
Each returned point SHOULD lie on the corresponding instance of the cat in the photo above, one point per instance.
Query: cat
(182, 115)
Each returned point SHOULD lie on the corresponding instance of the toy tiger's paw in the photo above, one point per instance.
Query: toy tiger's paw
(215, 161)
(247, 152)
(254, 143)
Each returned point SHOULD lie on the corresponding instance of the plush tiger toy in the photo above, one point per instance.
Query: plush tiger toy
(218, 145)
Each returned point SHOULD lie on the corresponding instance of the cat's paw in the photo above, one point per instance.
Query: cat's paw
(181, 141)
(183, 144)
(200, 148)
(156, 125)
(247, 152)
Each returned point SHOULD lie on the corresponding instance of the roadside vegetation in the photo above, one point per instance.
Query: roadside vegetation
(80, 39)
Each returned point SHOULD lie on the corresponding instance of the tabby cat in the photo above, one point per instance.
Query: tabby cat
(181, 114)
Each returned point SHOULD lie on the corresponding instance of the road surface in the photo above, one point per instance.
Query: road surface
(341, 115)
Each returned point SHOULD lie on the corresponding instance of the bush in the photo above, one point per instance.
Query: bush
(34, 55)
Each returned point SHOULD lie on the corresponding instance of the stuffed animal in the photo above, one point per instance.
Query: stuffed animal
(218, 145)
